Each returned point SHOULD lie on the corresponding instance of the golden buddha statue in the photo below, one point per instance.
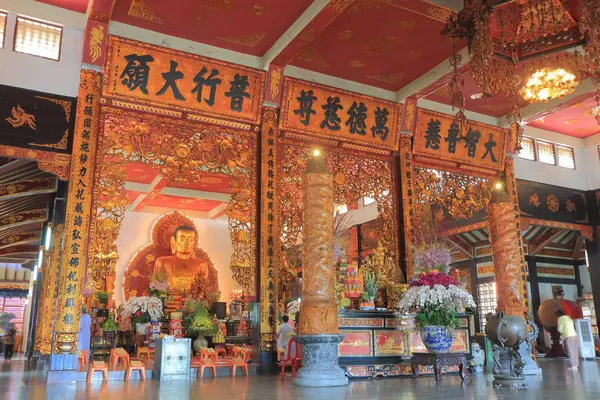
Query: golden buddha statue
(181, 268)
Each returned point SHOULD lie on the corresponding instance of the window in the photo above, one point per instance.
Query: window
(527, 149)
(487, 301)
(341, 209)
(546, 152)
(566, 156)
(38, 39)
(2, 28)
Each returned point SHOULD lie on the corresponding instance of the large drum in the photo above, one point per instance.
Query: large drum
(548, 308)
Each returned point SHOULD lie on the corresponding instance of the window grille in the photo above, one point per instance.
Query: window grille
(566, 156)
(546, 152)
(527, 149)
(2, 28)
(487, 301)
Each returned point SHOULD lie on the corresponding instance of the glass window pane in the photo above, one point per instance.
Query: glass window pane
(566, 156)
(546, 152)
(2, 28)
(37, 38)
(527, 149)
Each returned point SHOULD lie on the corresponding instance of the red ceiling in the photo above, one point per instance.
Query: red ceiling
(139, 172)
(495, 106)
(132, 195)
(210, 183)
(575, 120)
(183, 203)
(386, 44)
(79, 6)
(246, 26)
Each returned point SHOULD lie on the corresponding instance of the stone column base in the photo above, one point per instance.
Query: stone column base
(320, 362)
(530, 367)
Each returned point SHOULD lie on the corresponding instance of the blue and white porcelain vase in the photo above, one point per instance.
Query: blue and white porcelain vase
(437, 339)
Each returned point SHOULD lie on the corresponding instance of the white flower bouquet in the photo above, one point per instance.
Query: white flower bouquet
(436, 298)
(143, 309)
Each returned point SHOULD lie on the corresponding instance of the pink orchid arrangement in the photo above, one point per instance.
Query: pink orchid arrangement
(432, 278)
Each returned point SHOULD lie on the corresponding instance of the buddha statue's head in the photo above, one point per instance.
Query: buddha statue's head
(183, 240)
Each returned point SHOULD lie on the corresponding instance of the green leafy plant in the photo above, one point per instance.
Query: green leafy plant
(437, 316)
(109, 325)
(197, 320)
(102, 297)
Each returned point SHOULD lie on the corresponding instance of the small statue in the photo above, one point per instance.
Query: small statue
(478, 358)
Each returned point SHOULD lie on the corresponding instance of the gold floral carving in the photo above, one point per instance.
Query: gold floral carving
(61, 144)
(552, 203)
(249, 40)
(534, 199)
(360, 176)
(407, 24)
(414, 55)
(485, 269)
(65, 104)
(218, 4)
(360, 5)
(310, 55)
(21, 118)
(380, 45)
(439, 13)
(408, 204)
(139, 9)
(275, 82)
(409, 115)
(179, 151)
(570, 206)
(357, 64)
(345, 34)
(556, 271)
(460, 195)
(259, 9)
(96, 39)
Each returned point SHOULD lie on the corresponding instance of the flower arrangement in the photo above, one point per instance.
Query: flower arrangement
(371, 282)
(102, 297)
(197, 320)
(158, 284)
(293, 307)
(143, 309)
(436, 298)
(236, 294)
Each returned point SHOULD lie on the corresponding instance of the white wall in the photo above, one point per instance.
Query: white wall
(546, 291)
(586, 282)
(214, 240)
(592, 161)
(37, 73)
(552, 174)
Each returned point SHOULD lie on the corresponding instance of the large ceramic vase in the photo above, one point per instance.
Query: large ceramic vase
(437, 339)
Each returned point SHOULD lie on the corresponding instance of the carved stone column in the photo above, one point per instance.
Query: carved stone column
(319, 332)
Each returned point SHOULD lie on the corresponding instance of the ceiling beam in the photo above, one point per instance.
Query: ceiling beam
(28, 187)
(217, 211)
(12, 165)
(19, 250)
(579, 243)
(21, 238)
(293, 31)
(196, 194)
(543, 239)
(23, 218)
(157, 185)
(461, 245)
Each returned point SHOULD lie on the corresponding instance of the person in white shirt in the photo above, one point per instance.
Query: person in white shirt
(284, 333)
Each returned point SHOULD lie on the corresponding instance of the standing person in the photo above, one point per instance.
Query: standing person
(566, 327)
(85, 326)
(9, 342)
(284, 333)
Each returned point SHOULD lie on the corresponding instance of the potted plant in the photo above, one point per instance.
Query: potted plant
(109, 325)
(102, 298)
(197, 322)
(142, 310)
(436, 298)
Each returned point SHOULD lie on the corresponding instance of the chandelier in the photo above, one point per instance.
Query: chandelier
(548, 84)
(509, 43)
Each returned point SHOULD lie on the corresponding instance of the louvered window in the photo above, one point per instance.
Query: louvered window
(487, 301)
(2, 28)
(38, 38)
(566, 156)
(527, 149)
(546, 152)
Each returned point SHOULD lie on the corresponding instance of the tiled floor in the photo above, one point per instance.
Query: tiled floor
(556, 383)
